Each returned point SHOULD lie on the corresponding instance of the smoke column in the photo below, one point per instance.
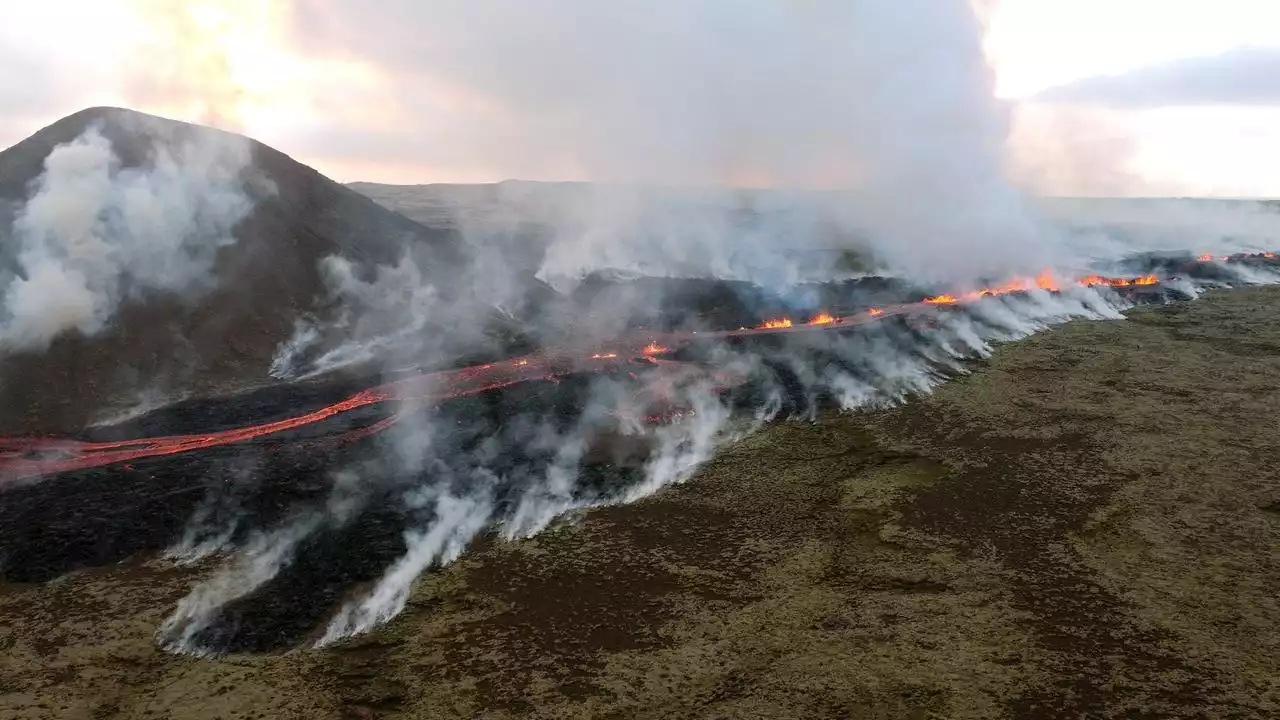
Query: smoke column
(891, 100)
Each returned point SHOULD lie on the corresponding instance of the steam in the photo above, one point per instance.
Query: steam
(519, 478)
(380, 316)
(96, 234)
(903, 109)
(262, 558)
(456, 521)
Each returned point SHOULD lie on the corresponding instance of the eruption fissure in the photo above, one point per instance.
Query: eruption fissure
(26, 458)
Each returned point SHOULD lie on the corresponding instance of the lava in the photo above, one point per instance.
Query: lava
(1093, 280)
(23, 458)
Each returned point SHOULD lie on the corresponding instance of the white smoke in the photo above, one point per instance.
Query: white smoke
(377, 317)
(1116, 228)
(95, 234)
(457, 521)
(891, 101)
(262, 558)
(895, 96)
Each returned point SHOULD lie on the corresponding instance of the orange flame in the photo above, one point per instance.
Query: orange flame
(775, 324)
(822, 319)
(604, 356)
(1205, 258)
(942, 300)
(654, 348)
(875, 312)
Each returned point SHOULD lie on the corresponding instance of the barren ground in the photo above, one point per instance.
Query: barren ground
(1088, 525)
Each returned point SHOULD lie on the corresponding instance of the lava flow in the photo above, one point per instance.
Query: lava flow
(24, 458)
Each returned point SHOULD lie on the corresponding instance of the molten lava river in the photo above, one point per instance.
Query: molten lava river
(24, 458)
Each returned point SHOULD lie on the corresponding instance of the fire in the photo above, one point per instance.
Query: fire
(654, 348)
(775, 324)
(875, 312)
(1205, 258)
(522, 363)
(1046, 280)
(822, 319)
(604, 356)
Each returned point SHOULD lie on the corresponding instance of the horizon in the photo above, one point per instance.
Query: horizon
(1179, 108)
(632, 185)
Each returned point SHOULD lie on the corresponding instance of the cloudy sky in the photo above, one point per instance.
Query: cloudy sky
(1102, 96)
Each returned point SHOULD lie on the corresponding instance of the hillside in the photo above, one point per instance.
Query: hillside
(168, 338)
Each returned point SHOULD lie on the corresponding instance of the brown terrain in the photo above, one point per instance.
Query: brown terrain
(1087, 525)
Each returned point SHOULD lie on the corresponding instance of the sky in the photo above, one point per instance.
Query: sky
(1103, 97)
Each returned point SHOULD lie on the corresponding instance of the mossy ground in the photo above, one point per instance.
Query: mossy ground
(1088, 525)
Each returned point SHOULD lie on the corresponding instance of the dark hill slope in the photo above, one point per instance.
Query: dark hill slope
(162, 345)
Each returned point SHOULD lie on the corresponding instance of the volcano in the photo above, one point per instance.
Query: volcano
(166, 344)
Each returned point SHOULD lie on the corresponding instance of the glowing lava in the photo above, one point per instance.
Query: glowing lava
(22, 458)
(775, 324)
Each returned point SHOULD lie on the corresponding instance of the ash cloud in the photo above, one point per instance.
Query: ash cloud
(95, 234)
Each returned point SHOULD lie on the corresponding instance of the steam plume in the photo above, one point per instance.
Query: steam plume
(95, 234)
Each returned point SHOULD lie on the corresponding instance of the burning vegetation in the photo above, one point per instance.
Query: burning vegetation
(22, 458)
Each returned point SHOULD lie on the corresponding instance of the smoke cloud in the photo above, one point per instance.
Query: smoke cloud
(517, 477)
(95, 234)
(894, 100)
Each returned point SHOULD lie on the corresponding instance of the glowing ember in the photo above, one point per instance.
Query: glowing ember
(1094, 280)
(875, 312)
(822, 319)
(776, 324)
(1205, 258)
(654, 348)
(604, 356)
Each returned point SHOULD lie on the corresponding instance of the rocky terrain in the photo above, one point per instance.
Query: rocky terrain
(1085, 526)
